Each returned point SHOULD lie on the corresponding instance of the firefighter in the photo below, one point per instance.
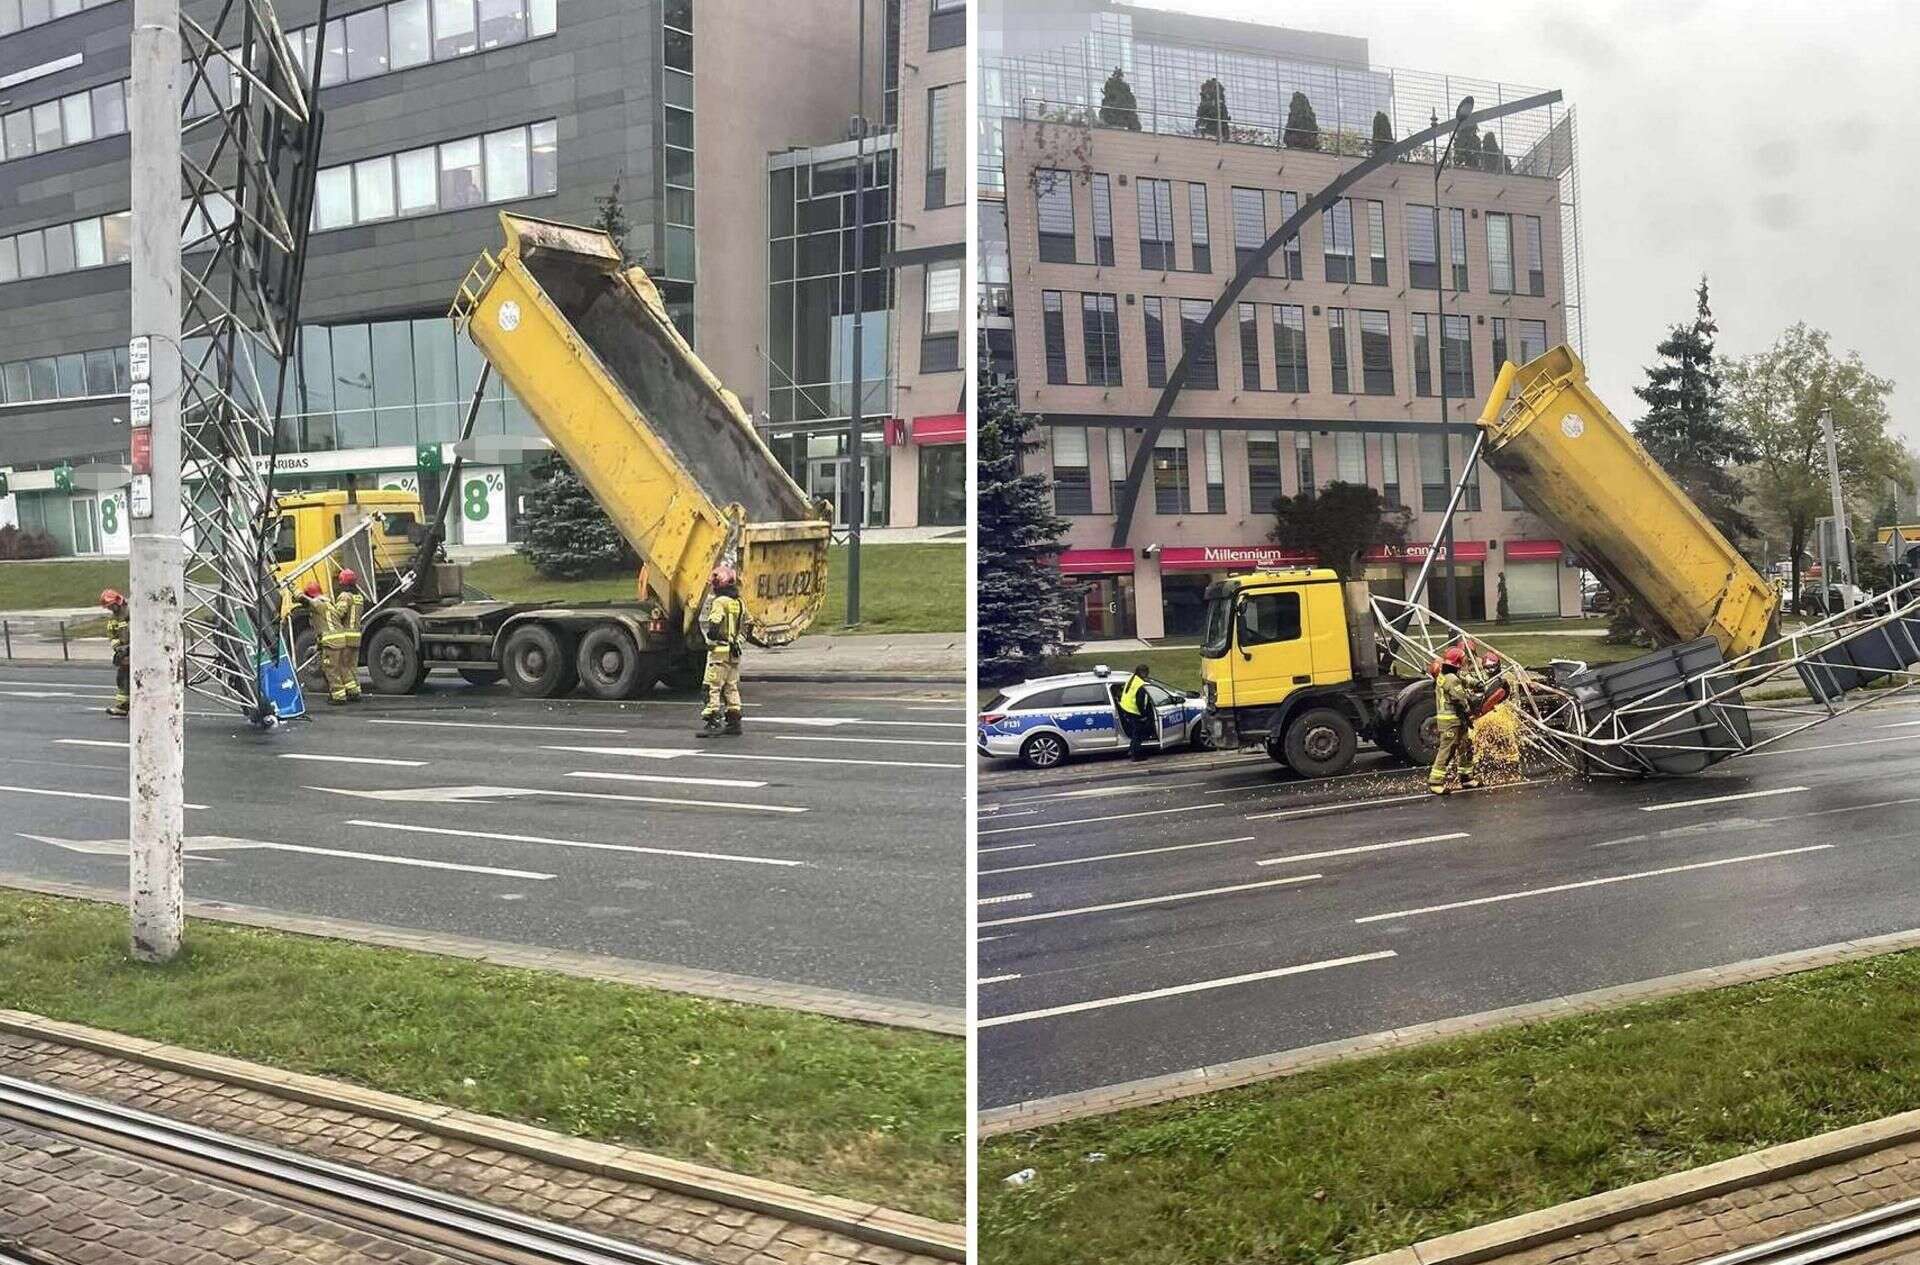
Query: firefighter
(1456, 708)
(348, 606)
(722, 629)
(120, 630)
(326, 631)
(1134, 712)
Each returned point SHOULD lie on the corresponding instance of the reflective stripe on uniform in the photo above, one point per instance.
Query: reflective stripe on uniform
(1130, 695)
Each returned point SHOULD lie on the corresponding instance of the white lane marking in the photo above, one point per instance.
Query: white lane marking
(991, 813)
(1151, 900)
(481, 794)
(575, 843)
(1308, 781)
(1365, 847)
(1002, 900)
(352, 759)
(739, 783)
(834, 722)
(1852, 808)
(1320, 810)
(113, 799)
(78, 685)
(1830, 746)
(1088, 821)
(1904, 724)
(89, 742)
(475, 724)
(998, 979)
(1594, 882)
(194, 846)
(676, 753)
(1006, 847)
(416, 862)
(1118, 856)
(1175, 991)
(878, 742)
(44, 694)
(1720, 799)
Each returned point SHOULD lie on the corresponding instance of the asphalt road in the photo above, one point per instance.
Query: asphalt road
(1141, 920)
(824, 848)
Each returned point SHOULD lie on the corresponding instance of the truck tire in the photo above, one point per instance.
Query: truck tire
(480, 676)
(393, 660)
(1319, 743)
(1417, 737)
(1276, 751)
(306, 650)
(609, 664)
(537, 663)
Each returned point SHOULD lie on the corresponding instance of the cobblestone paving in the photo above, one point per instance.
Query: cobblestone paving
(664, 1219)
(77, 1206)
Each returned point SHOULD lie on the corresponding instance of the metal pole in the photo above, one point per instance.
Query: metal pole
(1445, 533)
(1843, 569)
(856, 492)
(156, 747)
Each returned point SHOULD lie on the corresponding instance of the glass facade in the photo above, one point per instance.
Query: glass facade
(677, 127)
(17, 15)
(503, 166)
(74, 119)
(77, 375)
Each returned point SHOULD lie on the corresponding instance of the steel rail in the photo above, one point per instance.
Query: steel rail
(1832, 1241)
(337, 1189)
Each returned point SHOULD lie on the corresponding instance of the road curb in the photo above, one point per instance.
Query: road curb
(1040, 1112)
(866, 1222)
(1531, 1230)
(948, 1021)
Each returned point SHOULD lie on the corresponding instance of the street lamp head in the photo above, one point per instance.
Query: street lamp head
(1466, 108)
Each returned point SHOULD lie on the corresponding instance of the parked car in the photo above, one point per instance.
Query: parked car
(1828, 599)
(1044, 721)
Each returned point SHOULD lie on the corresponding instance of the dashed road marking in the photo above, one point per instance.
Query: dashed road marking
(999, 979)
(404, 827)
(352, 759)
(40, 790)
(477, 724)
(89, 742)
(1151, 900)
(1365, 847)
(1178, 989)
(1720, 799)
(1119, 856)
(1002, 900)
(1088, 821)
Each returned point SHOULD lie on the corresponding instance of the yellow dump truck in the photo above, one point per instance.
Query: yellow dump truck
(1290, 658)
(587, 346)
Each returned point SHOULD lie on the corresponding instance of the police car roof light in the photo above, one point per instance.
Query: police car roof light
(1101, 669)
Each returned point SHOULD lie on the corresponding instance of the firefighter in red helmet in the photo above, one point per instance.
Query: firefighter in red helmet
(348, 607)
(1455, 707)
(723, 626)
(120, 632)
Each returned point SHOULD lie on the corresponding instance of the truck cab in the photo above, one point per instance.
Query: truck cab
(307, 522)
(1290, 665)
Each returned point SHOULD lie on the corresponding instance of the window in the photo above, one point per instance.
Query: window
(939, 126)
(1291, 256)
(1100, 328)
(76, 118)
(1350, 456)
(1156, 224)
(1436, 483)
(543, 17)
(1422, 353)
(1072, 480)
(460, 183)
(1423, 263)
(1499, 343)
(940, 334)
(1156, 342)
(1290, 347)
(1203, 371)
(9, 260)
(46, 126)
(1249, 347)
(1458, 218)
(1499, 253)
(373, 189)
(1263, 471)
(17, 130)
(367, 44)
(453, 29)
(1337, 349)
(1053, 322)
(947, 25)
(1197, 223)
(1170, 490)
(333, 198)
(1390, 468)
(1376, 353)
(1303, 456)
(1456, 356)
(1377, 243)
(1054, 190)
(502, 22)
(1533, 340)
(89, 250)
(1337, 224)
(1536, 258)
(1102, 220)
(418, 178)
(543, 152)
(116, 231)
(1269, 617)
(109, 109)
(333, 60)
(507, 165)
(1216, 472)
(1249, 224)
(1116, 465)
(409, 37)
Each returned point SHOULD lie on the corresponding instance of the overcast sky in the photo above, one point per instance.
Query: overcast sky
(1757, 142)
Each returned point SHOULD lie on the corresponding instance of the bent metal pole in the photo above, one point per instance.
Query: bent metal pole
(156, 749)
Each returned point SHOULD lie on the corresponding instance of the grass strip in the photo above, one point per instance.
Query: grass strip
(841, 1108)
(1383, 1152)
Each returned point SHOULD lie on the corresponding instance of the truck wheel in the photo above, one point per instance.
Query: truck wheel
(1418, 736)
(536, 663)
(609, 663)
(1276, 751)
(480, 676)
(306, 650)
(393, 661)
(1043, 751)
(1320, 743)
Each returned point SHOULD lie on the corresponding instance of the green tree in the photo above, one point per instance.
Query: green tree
(569, 536)
(1382, 131)
(1491, 159)
(1021, 601)
(1117, 106)
(1686, 428)
(1776, 397)
(1466, 148)
(1211, 119)
(610, 217)
(1303, 129)
(1339, 524)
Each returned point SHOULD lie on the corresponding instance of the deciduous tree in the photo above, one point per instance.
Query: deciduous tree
(1339, 525)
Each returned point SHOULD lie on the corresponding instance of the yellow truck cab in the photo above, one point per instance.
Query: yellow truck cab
(307, 522)
(1290, 664)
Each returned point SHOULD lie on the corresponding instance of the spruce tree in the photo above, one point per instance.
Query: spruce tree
(1382, 131)
(1211, 119)
(610, 217)
(1117, 106)
(1023, 604)
(1686, 428)
(1491, 159)
(1466, 148)
(1303, 129)
(569, 537)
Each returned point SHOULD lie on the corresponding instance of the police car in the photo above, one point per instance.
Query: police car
(1043, 721)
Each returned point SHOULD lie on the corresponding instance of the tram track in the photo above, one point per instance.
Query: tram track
(1881, 1234)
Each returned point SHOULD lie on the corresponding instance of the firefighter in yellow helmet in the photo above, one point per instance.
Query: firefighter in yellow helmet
(1456, 707)
(348, 608)
(120, 631)
(724, 623)
(325, 622)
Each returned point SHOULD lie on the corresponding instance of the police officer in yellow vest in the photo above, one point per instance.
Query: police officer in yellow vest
(348, 607)
(1456, 705)
(722, 629)
(1136, 712)
(120, 630)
